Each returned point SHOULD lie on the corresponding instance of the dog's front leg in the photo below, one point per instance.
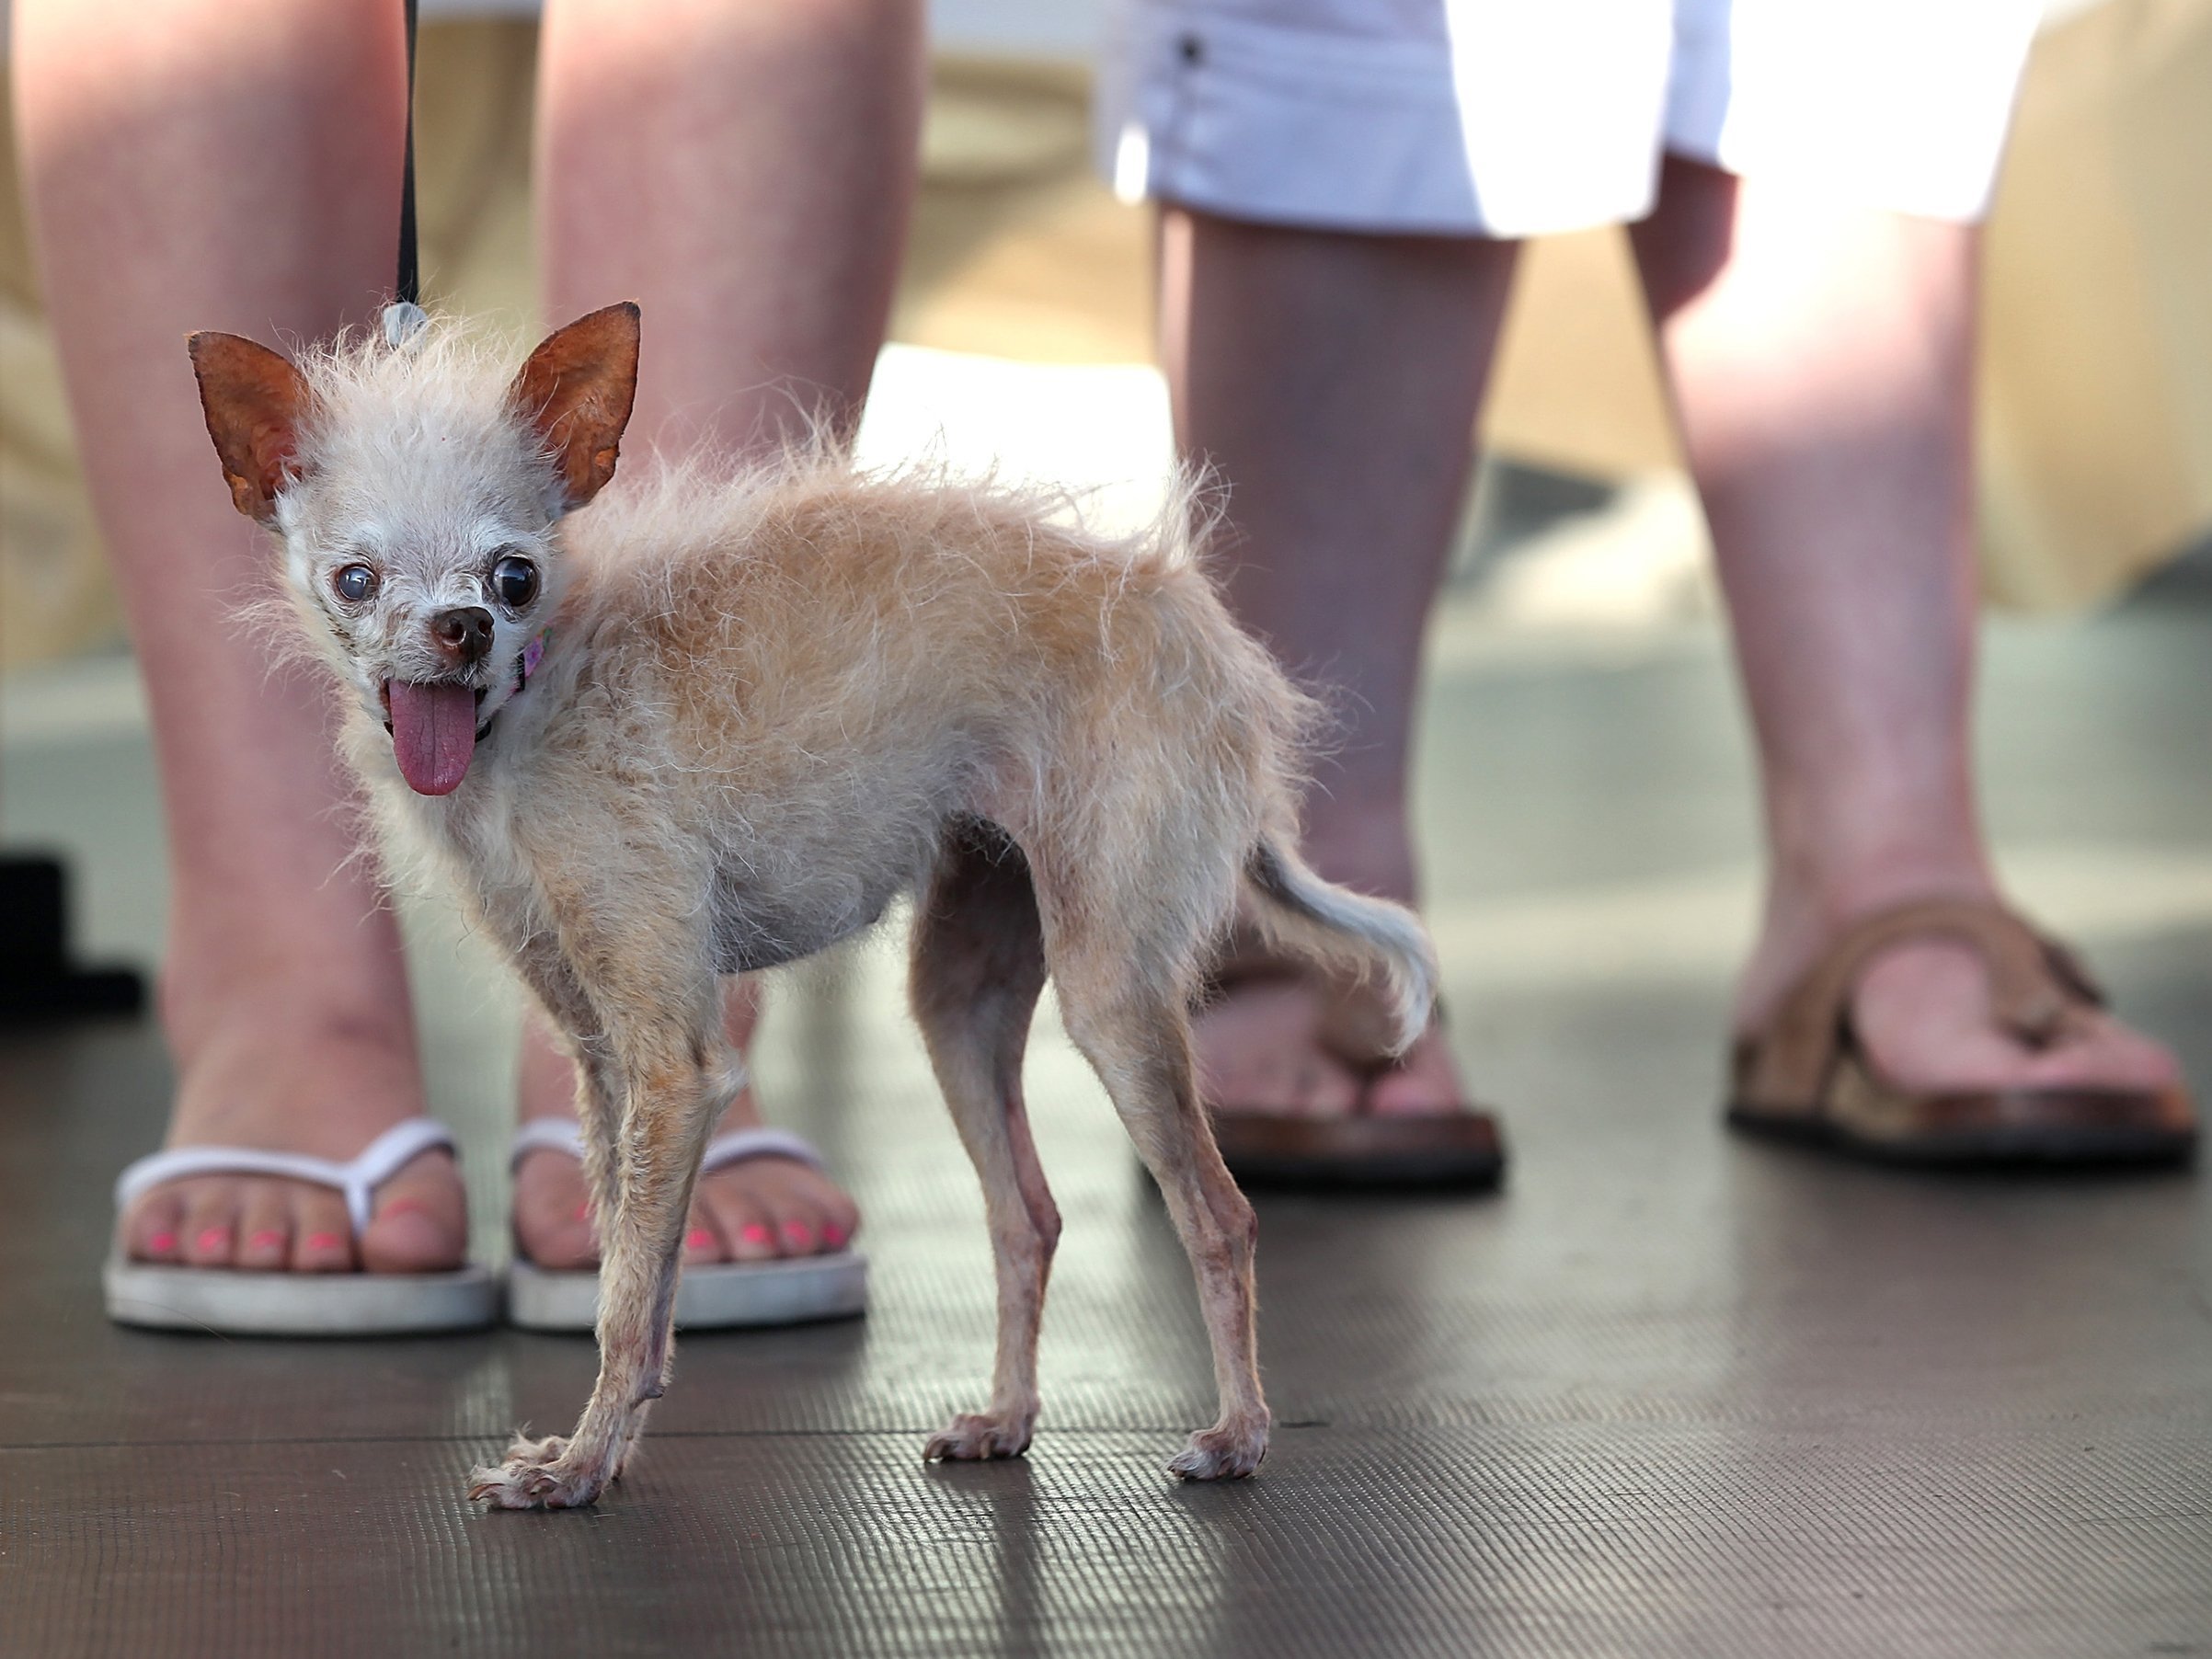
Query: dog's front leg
(582, 1035)
(672, 1099)
(640, 1268)
(655, 995)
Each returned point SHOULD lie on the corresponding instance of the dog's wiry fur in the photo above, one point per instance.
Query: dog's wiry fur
(773, 699)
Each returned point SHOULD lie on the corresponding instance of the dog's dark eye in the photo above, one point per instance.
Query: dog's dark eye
(515, 580)
(353, 583)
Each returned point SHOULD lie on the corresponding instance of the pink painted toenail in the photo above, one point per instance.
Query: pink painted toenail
(325, 1241)
(162, 1241)
(213, 1238)
(834, 1235)
(796, 1234)
(699, 1238)
(583, 1210)
(401, 1207)
(266, 1238)
(755, 1233)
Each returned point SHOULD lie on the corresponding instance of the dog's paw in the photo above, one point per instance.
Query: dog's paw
(530, 1477)
(973, 1436)
(1221, 1454)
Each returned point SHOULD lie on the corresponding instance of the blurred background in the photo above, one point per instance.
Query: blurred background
(1023, 332)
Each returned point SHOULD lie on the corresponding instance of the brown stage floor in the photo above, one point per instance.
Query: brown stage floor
(1668, 1394)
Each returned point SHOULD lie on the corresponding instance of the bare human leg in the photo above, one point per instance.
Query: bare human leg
(1821, 360)
(1331, 382)
(234, 164)
(744, 171)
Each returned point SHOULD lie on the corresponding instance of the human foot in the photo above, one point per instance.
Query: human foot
(1278, 1038)
(1921, 1014)
(756, 1210)
(271, 1066)
(1946, 1031)
(1267, 1043)
(1300, 1097)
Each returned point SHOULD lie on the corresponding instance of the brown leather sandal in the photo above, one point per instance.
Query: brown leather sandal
(1805, 1076)
(1461, 1149)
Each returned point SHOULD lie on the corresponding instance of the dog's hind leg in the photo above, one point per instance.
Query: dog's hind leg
(978, 966)
(1123, 1001)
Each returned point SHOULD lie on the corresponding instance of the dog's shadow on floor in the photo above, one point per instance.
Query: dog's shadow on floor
(1043, 1529)
(1001, 1496)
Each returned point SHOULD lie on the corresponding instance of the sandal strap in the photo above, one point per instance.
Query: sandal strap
(740, 1144)
(544, 1135)
(2036, 985)
(359, 1179)
(564, 1134)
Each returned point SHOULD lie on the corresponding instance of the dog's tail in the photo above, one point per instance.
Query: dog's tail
(1337, 928)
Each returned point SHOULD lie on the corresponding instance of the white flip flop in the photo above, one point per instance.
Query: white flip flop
(295, 1304)
(715, 1296)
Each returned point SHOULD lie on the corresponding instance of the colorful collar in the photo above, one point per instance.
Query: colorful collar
(525, 665)
(532, 653)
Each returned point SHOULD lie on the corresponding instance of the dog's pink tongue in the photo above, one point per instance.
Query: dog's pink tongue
(433, 735)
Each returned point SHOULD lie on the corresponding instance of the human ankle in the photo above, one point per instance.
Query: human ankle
(270, 1052)
(1809, 904)
(352, 985)
(1825, 900)
(1858, 840)
(284, 1006)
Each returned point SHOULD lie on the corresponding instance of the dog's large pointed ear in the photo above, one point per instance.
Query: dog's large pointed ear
(576, 391)
(253, 399)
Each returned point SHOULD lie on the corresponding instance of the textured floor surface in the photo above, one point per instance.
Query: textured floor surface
(1668, 1394)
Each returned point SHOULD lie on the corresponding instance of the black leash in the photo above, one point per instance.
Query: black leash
(408, 286)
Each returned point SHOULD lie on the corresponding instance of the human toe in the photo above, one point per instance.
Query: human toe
(419, 1224)
(264, 1229)
(703, 1243)
(155, 1227)
(321, 1234)
(210, 1223)
(815, 1215)
(552, 1213)
(743, 1226)
(2103, 1054)
(838, 1222)
(796, 1232)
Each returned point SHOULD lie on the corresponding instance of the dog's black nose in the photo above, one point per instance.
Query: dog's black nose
(463, 634)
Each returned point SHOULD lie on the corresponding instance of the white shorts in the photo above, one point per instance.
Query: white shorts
(1518, 118)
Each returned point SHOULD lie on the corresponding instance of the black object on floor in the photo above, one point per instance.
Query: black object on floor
(38, 981)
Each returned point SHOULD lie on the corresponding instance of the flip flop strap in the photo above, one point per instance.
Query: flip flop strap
(740, 1144)
(564, 1134)
(2033, 987)
(544, 1135)
(561, 1135)
(377, 1163)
